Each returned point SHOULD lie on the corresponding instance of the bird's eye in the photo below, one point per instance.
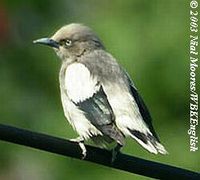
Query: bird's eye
(68, 42)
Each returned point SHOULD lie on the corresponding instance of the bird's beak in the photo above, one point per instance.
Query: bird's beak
(47, 41)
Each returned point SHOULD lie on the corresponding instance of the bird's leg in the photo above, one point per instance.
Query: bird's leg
(80, 142)
(115, 151)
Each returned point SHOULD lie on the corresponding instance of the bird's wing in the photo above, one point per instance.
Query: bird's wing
(142, 108)
(88, 95)
(149, 141)
(131, 115)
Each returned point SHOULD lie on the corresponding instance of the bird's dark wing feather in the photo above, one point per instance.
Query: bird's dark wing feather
(143, 110)
(99, 112)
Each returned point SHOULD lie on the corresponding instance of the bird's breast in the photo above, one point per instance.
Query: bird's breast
(77, 85)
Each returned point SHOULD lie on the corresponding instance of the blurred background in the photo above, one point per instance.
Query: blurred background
(149, 38)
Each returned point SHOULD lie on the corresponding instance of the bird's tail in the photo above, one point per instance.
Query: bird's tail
(148, 141)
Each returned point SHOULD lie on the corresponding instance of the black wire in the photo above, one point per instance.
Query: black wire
(100, 156)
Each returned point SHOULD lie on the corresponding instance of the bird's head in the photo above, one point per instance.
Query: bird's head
(72, 41)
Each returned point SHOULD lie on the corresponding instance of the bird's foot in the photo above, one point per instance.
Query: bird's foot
(80, 142)
(115, 152)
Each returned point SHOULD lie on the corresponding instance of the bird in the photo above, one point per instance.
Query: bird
(99, 99)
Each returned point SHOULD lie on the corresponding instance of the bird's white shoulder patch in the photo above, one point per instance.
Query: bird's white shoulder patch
(79, 83)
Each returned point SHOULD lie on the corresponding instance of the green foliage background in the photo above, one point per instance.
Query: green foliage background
(149, 38)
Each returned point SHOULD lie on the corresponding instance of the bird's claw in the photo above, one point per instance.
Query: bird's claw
(115, 152)
(83, 148)
(80, 142)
